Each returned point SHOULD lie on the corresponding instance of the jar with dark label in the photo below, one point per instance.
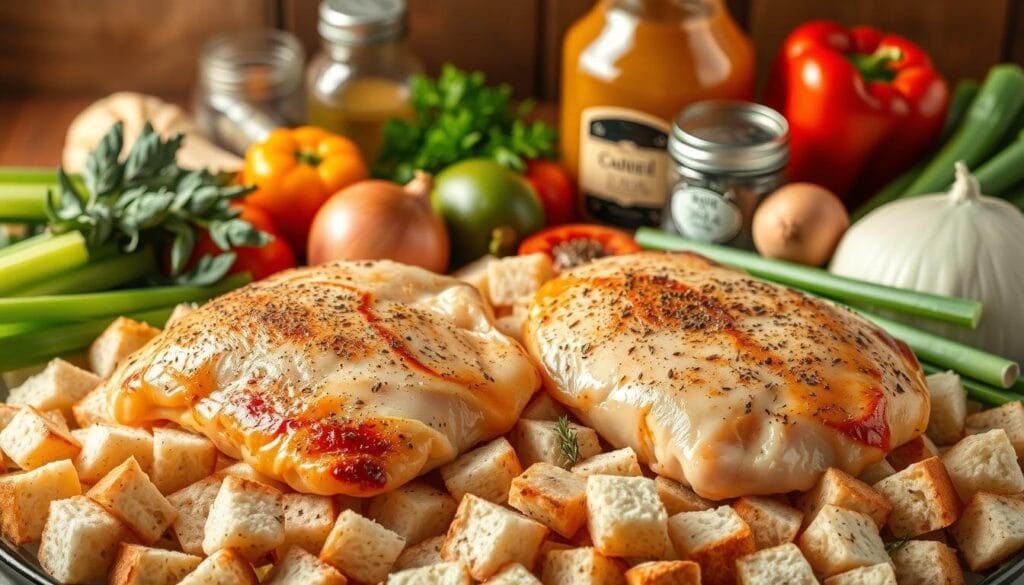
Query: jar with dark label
(727, 155)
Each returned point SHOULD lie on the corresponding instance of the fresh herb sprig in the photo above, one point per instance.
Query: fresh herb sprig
(148, 198)
(896, 545)
(458, 117)
(568, 440)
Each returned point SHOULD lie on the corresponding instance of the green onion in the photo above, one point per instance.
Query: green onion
(963, 312)
(47, 258)
(101, 273)
(28, 175)
(978, 390)
(23, 203)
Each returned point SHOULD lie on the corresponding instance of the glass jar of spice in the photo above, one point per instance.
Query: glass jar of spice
(727, 155)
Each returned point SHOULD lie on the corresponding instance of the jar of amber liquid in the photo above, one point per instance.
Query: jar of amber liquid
(627, 67)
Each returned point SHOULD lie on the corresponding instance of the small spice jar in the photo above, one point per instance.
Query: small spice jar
(727, 155)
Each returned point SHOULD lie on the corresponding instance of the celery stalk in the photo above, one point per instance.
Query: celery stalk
(46, 259)
(23, 203)
(103, 273)
(28, 175)
(979, 391)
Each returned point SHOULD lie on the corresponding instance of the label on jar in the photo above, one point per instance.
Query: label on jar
(623, 165)
(704, 215)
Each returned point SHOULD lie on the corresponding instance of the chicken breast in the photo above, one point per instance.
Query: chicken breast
(729, 384)
(350, 378)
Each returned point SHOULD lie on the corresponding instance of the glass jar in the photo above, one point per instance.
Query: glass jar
(360, 79)
(249, 83)
(727, 155)
(627, 67)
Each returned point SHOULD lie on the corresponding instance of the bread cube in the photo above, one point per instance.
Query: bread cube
(913, 451)
(949, 408)
(513, 574)
(224, 567)
(486, 536)
(308, 519)
(243, 470)
(127, 493)
(180, 458)
(119, 340)
(80, 541)
(93, 408)
(985, 462)
(415, 511)
(515, 278)
(619, 462)
(247, 516)
(880, 574)
(298, 567)
(452, 573)
(485, 472)
(58, 387)
(543, 407)
(926, 562)
(538, 440)
(774, 566)
(678, 498)
(772, 522)
(713, 538)
(580, 566)
(990, 530)
(475, 273)
(625, 516)
(511, 324)
(25, 498)
(107, 446)
(192, 505)
(181, 310)
(664, 573)
(360, 548)
(424, 554)
(838, 540)
(922, 497)
(141, 565)
(877, 472)
(841, 489)
(552, 496)
(1009, 417)
(32, 440)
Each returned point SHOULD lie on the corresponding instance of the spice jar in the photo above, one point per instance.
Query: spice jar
(727, 155)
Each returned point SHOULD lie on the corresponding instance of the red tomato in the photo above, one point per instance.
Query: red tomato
(555, 189)
(258, 261)
(578, 243)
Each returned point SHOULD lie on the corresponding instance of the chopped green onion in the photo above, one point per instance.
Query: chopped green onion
(963, 312)
(46, 259)
(101, 273)
(978, 390)
(23, 203)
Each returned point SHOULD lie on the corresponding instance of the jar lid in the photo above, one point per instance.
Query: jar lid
(725, 136)
(361, 22)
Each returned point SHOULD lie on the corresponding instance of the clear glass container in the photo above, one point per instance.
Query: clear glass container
(360, 79)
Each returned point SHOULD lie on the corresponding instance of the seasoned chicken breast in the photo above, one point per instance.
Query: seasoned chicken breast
(729, 384)
(350, 378)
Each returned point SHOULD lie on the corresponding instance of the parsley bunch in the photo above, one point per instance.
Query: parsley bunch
(458, 117)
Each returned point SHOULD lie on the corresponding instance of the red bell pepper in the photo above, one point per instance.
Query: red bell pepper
(862, 105)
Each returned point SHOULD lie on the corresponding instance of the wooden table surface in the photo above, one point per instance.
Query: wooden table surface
(32, 127)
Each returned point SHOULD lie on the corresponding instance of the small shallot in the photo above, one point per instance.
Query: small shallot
(801, 223)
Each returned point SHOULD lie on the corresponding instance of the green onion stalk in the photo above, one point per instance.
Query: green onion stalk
(980, 391)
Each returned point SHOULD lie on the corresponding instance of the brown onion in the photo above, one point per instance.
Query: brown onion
(374, 220)
(801, 223)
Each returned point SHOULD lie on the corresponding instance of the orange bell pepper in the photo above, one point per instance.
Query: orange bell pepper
(295, 172)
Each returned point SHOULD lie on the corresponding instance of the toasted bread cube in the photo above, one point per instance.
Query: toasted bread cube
(93, 408)
(513, 574)
(486, 536)
(1009, 417)
(308, 519)
(192, 505)
(119, 340)
(32, 440)
(511, 324)
(517, 277)
(247, 516)
(139, 565)
(543, 407)
(619, 462)
(127, 493)
(713, 538)
(485, 472)
(772, 522)
(926, 562)
(538, 440)
(181, 310)
(58, 387)
(985, 462)
(552, 496)
(913, 451)
(922, 497)
(774, 566)
(361, 548)
(25, 498)
(841, 489)
(451, 573)
(990, 530)
(415, 511)
(180, 458)
(949, 408)
(880, 574)
(877, 472)
(424, 554)
(80, 541)
(107, 446)
(678, 498)
(580, 566)
(625, 517)
(475, 273)
(664, 573)
(838, 540)
(224, 567)
(298, 567)
(7, 413)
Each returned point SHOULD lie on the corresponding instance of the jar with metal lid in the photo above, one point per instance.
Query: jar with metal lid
(249, 83)
(727, 155)
(360, 79)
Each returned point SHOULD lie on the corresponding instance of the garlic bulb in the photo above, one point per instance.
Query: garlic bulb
(959, 243)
